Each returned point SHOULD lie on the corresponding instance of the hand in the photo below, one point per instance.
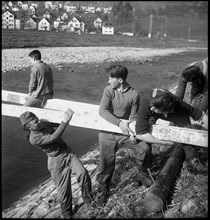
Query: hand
(68, 115)
(27, 96)
(133, 139)
(125, 128)
(167, 143)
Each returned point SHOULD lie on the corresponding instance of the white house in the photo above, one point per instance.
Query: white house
(31, 24)
(64, 16)
(107, 10)
(44, 25)
(98, 22)
(71, 8)
(108, 28)
(76, 24)
(8, 20)
(25, 6)
(48, 4)
(47, 14)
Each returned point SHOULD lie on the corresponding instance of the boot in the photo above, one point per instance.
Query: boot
(102, 199)
(145, 179)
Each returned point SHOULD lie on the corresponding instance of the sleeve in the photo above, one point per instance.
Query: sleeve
(134, 107)
(180, 91)
(204, 103)
(33, 81)
(105, 105)
(49, 138)
(142, 123)
(195, 113)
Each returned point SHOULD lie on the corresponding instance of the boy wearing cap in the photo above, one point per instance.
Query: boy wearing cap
(41, 81)
(119, 101)
(62, 162)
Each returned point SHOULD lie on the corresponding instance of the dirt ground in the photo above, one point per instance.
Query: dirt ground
(86, 82)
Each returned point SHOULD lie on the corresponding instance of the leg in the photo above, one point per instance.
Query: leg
(61, 175)
(143, 157)
(33, 102)
(108, 147)
(83, 178)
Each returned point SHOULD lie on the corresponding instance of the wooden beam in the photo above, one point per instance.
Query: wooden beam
(86, 116)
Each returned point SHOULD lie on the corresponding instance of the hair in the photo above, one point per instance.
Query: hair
(117, 71)
(191, 73)
(35, 54)
(165, 101)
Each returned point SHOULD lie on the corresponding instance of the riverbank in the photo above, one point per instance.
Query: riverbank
(85, 82)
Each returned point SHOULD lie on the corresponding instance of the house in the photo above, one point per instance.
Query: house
(77, 24)
(64, 16)
(97, 23)
(8, 20)
(47, 14)
(48, 4)
(45, 25)
(108, 28)
(108, 10)
(98, 10)
(31, 10)
(31, 24)
(71, 8)
(57, 23)
(25, 6)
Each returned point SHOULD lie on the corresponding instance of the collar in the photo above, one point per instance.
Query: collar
(124, 90)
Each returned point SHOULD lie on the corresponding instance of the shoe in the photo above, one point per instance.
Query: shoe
(145, 179)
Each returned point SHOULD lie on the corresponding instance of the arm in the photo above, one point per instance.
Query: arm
(180, 91)
(149, 138)
(51, 138)
(134, 107)
(33, 81)
(104, 109)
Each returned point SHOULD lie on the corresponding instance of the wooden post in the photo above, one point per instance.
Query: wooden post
(160, 189)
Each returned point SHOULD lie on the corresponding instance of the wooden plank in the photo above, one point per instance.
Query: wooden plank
(92, 120)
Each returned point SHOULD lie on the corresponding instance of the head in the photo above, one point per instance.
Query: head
(163, 103)
(30, 121)
(35, 55)
(192, 73)
(117, 75)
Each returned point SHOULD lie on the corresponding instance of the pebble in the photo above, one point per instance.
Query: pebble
(17, 59)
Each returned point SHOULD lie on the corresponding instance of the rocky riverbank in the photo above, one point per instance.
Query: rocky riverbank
(17, 59)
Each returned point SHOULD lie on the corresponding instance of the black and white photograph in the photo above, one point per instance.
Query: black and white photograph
(104, 109)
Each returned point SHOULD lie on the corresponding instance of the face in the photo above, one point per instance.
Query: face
(35, 124)
(31, 60)
(158, 111)
(115, 82)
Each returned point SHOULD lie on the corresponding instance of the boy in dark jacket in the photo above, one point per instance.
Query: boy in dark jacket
(62, 162)
(195, 73)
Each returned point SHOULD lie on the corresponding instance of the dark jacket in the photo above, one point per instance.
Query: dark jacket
(180, 116)
(197, 88)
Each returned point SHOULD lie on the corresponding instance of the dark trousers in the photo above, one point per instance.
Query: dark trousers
(38, 102)
(108, 144)
(61, 168)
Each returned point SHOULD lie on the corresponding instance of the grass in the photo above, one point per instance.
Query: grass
(32, 38)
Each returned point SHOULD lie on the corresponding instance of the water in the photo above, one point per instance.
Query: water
(25, 166)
